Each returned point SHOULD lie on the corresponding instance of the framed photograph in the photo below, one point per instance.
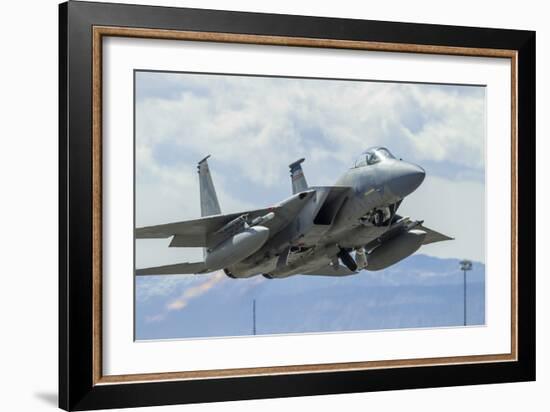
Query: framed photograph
(257, 205)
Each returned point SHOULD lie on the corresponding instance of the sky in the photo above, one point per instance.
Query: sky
(254, 127)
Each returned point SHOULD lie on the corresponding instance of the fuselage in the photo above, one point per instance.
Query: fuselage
(369, 193)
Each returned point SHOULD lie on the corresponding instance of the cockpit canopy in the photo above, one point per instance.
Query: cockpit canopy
(372, 156)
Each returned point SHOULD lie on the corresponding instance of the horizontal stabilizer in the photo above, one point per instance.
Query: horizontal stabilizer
(177, 269)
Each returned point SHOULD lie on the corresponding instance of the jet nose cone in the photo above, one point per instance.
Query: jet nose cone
(406, 180)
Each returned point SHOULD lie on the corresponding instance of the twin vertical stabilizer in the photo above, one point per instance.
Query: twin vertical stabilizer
(209, 200)
(297, 177)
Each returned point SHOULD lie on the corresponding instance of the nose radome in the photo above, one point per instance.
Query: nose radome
(407, 178)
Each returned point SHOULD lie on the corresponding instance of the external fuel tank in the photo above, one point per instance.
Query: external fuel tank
(236, 248)
(395, 249)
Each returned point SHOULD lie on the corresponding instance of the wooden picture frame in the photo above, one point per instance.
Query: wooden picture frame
(83, 26)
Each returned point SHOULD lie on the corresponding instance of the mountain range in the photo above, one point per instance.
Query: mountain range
(420, 291)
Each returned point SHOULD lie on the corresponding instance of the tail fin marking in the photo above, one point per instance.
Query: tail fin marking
(299, 183)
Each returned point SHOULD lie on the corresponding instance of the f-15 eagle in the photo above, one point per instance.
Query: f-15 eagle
(324, 230)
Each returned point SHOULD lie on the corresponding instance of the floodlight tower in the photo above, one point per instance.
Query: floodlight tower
(465, 265)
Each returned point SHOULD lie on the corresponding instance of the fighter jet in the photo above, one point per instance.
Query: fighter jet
(323, 230)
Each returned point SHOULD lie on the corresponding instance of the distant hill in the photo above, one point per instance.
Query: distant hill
(421, 291)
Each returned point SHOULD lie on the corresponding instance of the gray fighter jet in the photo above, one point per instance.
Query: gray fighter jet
(325, 230)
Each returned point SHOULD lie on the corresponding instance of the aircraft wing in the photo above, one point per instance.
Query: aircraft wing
(202, 232)
(405, 223)
(371, 236)
(195, 232)
(432, 236)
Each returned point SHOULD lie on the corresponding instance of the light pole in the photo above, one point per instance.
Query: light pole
(465, 265)
(254, 316)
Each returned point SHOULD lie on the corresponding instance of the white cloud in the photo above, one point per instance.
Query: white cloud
(259, 123)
